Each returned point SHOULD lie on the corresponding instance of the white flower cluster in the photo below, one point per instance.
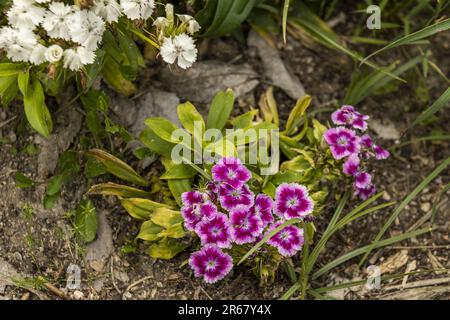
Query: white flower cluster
(42, 31)
(179, 47)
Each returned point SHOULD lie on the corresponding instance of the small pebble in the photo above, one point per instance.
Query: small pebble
(78, 295)
(425, 207)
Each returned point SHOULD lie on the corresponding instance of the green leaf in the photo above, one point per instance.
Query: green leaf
(8, 89)
(178, 187)
(166, 248)
(415, 36)
(166, 217)
(114, 77)
(23, 80)
(118, 190)
(10, 69)
(175, 231)
(442, 102)
(220, 109)
(85, 221)
(295, 117)
(404, 203)
(117, 167)
(22, 181)
(141, 209)
(155, 143)
(179, 171)
(54, 186)
(35, 109)
(189, 116)
(163, 128)
(50, 200)
(221, 17)
(149, 231)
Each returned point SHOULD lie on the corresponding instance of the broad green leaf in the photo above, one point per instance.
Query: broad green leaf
(223, 148)
(166, 248)
(11, 69)
(114, 77)
(442, 102)
(415, 36)
(190, 117)
(179, 171)
(220, 109)
(155, 143)
(35, 109)
(175, 231)
(22, 181)
(8, 89)
(221, 17)
(178, 187)
(23, 80)
(268, 107)
(166, 217)
(141, 209)
(85, 221)
(118, 190)
(117, 167)
(244, 120)
(149, 231)
(295, 117)
(163, 128)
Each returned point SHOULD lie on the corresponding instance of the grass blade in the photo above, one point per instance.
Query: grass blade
(285, 17)
(404, 203)
(441, 102)
(267, 237)
(415, 36)
(367, 249)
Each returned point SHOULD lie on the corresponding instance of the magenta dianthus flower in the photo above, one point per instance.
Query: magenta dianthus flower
(288, 240)
(231, 171)
(211, 263)
(230, 197)
(263, 208)
(292, 201)
(245, 226)
(363, 180)
(380, 153)
(365, 193)
(348, 116)
(351, 165)
(196, 213)
(342, 141)
(215, 231)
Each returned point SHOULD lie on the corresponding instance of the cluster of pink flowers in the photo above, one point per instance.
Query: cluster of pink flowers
(229, 213)
(345, 143)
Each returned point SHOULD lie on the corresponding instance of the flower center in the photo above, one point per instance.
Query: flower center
(211, 264)
(231, 174)
(342, 141)
(215, 231)
(235, 193)
(292, 202)
(285, 236)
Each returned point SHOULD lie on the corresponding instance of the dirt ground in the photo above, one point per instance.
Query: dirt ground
(38, 243)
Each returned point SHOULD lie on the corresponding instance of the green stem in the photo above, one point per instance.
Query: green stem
(304, 274)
